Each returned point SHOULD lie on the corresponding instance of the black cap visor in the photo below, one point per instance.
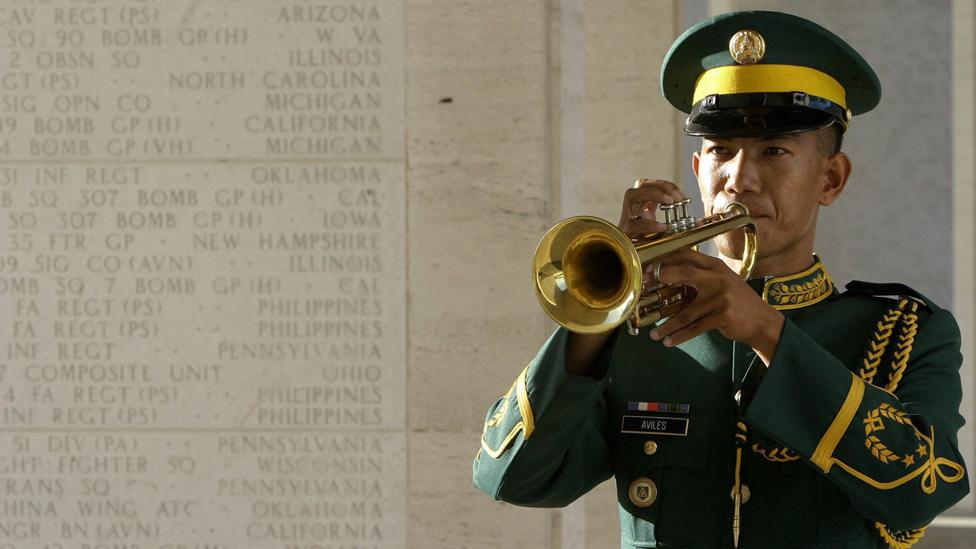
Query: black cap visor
(758, 114)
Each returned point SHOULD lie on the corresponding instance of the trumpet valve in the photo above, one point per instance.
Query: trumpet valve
(685, 221)
(676, 216)
(670, 217)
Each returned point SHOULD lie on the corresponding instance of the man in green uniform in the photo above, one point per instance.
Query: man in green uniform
(773, 412)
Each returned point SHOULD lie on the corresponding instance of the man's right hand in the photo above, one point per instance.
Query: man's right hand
(637, 217)
(641, 202)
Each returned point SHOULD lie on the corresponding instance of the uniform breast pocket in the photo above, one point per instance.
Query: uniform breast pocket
(661, 487)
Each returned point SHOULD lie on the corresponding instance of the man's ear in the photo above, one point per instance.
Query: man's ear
(695, 157)
(835, 176)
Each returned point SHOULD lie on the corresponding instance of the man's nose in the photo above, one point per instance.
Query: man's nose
(741, 175)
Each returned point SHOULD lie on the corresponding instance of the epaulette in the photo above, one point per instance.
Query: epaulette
(889, 289)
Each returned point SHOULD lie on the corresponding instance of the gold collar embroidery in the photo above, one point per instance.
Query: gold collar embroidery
(799, 290)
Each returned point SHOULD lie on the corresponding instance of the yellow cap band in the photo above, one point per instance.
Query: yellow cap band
(768, 78)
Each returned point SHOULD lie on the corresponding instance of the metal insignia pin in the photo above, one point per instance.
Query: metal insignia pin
(747, 47)
(643, 492)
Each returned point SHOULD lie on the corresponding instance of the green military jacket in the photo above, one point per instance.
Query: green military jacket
(847, 441)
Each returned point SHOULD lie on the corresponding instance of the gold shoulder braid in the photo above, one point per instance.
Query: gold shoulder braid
(879, 344)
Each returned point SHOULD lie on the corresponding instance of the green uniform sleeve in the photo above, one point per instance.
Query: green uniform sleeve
(544, 442)
(895, 455)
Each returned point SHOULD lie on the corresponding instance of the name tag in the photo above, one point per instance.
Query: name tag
(644, 425)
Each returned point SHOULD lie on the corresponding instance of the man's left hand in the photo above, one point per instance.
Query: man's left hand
(724, 303)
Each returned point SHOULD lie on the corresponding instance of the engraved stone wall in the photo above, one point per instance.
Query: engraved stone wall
(202, 274)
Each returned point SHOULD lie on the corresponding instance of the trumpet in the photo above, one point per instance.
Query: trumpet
(589, 275)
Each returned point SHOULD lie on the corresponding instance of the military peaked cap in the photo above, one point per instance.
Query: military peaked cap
(753, 73)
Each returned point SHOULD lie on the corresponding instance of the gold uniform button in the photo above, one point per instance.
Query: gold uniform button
(650, 447)
(643, 492)
(745, 493)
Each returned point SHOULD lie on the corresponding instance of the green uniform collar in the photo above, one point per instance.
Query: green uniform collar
(796, 291)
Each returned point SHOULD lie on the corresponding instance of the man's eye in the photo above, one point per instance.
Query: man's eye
(773, 151)
(717, 150)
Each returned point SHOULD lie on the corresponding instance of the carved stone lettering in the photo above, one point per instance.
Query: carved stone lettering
(202, 274)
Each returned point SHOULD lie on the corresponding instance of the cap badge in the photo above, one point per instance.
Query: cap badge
(747, 47)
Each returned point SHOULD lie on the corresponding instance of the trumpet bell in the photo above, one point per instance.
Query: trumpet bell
(587, 274)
